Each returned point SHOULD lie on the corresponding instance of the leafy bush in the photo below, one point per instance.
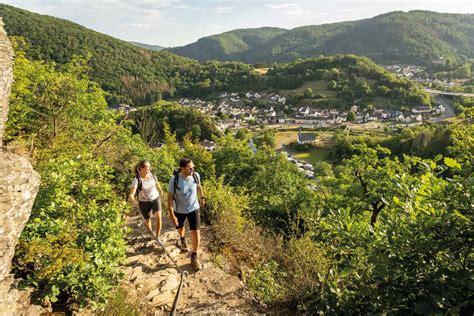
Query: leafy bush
(267, 282)
(74, 240)
(234, 235)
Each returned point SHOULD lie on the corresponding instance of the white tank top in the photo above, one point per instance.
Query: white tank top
(148, 192)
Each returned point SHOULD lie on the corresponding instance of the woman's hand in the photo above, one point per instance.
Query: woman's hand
(133, 202)
(174, 219)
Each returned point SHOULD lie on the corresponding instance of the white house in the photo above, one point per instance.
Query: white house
(440, 109)
(400, 117)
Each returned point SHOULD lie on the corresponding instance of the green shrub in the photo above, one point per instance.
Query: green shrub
(234, 235)
(74, 240)
(267, 282)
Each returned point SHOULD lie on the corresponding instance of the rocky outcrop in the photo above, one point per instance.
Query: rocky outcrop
(18, 187)
(6, 77)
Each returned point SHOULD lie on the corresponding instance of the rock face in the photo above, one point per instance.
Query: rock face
(6, 77)
(18, 187)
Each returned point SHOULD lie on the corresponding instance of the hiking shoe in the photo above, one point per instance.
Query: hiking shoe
(195, 262)
(182, 244)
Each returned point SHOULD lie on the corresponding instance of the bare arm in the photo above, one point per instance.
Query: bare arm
(171, 208)
(158, 186)
(202, 200)
(170, 203)
(131, 195)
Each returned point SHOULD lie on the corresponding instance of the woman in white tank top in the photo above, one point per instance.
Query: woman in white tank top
(149, 194)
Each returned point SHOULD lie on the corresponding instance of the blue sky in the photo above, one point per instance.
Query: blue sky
(179, 22)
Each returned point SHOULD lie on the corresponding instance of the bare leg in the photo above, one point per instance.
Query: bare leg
(148, 223)
(181, 232)
(196, 236)
(158, 223)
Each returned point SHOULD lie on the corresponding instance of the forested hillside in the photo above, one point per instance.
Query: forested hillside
(138, 76)
(353, 78)
(417, 37)
(127, 73)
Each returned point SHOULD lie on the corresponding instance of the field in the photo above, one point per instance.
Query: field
(323, 144)
(324, 140)
(283, 138)
(313, 156)
(318, 87)
(261, 71)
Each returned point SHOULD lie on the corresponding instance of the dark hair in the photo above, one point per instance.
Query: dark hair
(184, 162)
(140, 165)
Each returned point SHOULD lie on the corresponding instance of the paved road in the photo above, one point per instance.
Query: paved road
(433, 91)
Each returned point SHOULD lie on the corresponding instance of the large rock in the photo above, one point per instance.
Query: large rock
(6, 77)
(18, 187)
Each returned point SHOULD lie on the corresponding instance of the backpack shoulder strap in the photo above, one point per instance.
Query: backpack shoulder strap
(176, 179)
(196, 178)
(139, 185)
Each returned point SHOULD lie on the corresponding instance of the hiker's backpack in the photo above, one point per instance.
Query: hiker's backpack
(140, 185)
(176, 178)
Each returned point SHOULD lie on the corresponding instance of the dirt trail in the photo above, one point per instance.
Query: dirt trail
(152, 277)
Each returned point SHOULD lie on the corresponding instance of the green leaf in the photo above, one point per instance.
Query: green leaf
(452, 163)
(396, 200)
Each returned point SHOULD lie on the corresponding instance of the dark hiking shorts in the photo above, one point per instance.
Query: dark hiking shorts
(146, 208)
(194, 220)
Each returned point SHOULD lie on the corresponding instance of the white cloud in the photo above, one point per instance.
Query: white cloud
(140, 26)
(223, 10)
(216, 10)
(181, 6)
(291, 9)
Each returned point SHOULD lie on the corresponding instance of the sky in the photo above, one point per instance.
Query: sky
(172, 23)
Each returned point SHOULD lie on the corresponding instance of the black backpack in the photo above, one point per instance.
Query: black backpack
(139, 179)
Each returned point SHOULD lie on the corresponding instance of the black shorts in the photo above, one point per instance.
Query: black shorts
(194, 220)
(147, 207)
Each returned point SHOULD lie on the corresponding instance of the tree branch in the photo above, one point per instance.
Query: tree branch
(111, 133)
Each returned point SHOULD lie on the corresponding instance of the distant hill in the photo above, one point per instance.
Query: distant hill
(140, 76)
(128, 73)
(148, 46)
(233, 45)
(417, 37)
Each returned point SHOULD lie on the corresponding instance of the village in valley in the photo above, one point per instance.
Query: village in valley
(236, 110)
(232, 110)
(252, 110)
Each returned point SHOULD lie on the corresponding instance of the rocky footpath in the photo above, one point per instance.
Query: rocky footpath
(152, 278)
